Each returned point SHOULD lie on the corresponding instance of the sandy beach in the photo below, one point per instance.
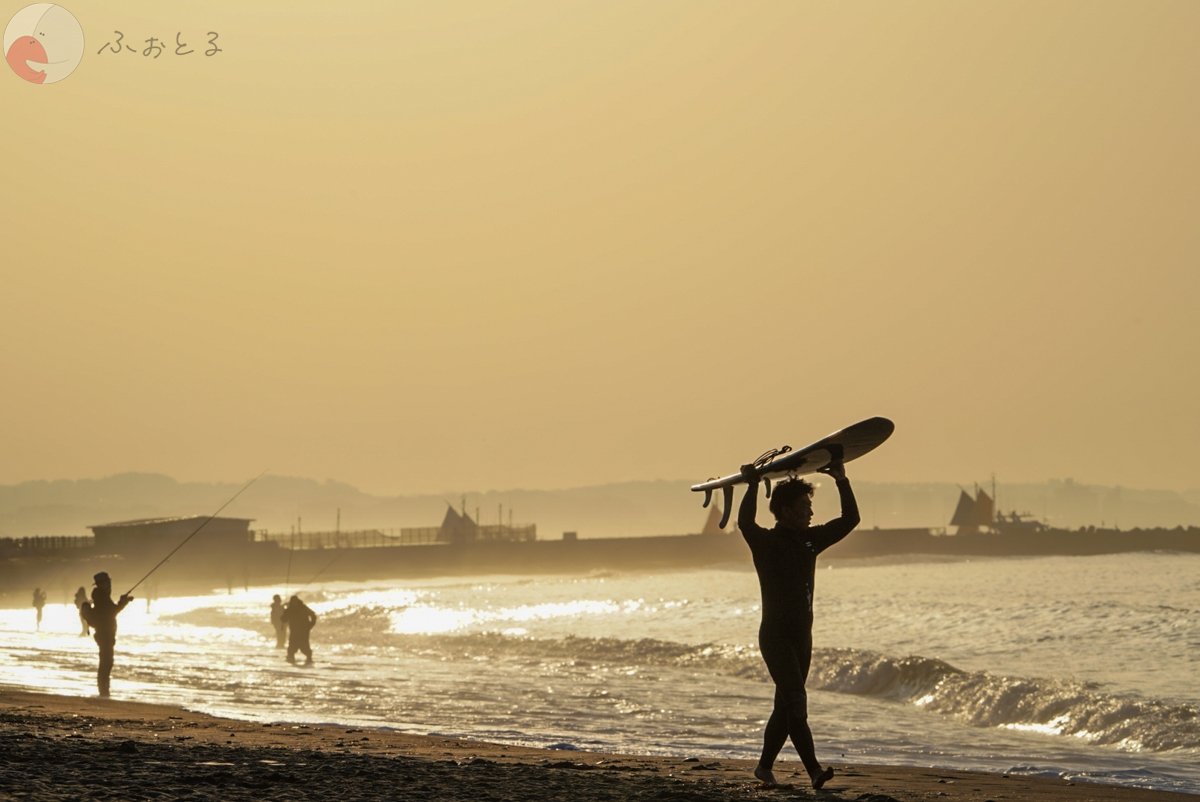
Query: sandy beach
(59, 747)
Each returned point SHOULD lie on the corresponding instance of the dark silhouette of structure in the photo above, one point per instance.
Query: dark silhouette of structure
(101, 614)
(785, 558)
(300, 620)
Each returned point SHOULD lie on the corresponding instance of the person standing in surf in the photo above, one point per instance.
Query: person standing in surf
(300, 620)
(785, 558)
(39, 601)
(81, 598)
(102, 615)
(278, 622)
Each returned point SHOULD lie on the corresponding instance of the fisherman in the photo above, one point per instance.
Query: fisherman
(81, 598)
(102, 615)
(300, 620)
(39, 601)
(785, 558)
(277, 621)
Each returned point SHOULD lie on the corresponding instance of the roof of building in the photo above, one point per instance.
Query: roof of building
(173, 519)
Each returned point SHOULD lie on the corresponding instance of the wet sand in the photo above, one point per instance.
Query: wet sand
(61, 748)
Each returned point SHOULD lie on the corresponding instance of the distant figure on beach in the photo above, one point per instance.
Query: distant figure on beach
(785, 558)
(277, 621)
(39, 601)
(300, 620)
(81, 598)
(102, 615)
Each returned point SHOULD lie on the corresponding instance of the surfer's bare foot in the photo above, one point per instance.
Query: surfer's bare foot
(767, 776)
(822, 777)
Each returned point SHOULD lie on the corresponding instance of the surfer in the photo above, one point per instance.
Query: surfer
(785, 558)
(102, 615)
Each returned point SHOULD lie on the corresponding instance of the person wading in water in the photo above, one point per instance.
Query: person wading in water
(81, 598)
(39, 601)
(785, 558)
(300, 620)
(277, 621)
(102, 615)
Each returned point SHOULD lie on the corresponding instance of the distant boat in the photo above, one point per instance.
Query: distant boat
(973, 514)
(712, 526)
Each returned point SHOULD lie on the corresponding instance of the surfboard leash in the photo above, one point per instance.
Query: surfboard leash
(766, 457)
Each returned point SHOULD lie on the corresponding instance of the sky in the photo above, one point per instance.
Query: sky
(426, 246)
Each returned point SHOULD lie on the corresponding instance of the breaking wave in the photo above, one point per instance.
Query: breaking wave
(1056, 707)
(1047, 706)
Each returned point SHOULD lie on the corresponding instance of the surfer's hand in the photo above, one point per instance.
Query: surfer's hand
(750, 472)
(126, 598)
(835, 469)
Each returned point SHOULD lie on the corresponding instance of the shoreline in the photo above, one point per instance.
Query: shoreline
(62, 747)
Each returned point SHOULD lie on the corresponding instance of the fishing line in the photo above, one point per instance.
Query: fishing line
(194, 532)
(287, 582)
(317, 575)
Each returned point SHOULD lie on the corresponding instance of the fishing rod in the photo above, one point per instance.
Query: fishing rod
(317, 575)
(287, 583)
(194, 532)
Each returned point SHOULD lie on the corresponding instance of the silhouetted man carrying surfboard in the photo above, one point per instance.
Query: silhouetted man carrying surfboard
(785, 558)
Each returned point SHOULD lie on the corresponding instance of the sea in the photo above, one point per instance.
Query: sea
(1082, 668)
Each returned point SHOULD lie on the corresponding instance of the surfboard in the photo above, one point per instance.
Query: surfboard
(848, 444)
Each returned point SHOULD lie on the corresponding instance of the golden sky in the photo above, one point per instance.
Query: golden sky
(422, 246)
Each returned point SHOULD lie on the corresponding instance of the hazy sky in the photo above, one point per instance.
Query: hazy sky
(421, 246)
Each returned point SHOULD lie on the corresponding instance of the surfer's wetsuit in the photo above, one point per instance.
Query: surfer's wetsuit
(786, 560)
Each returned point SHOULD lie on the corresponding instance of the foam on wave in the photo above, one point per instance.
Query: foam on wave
(1049, 706)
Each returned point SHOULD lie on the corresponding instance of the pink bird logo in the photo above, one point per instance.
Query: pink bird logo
(43, 43)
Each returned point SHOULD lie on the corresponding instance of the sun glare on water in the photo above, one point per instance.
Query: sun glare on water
(431, 620)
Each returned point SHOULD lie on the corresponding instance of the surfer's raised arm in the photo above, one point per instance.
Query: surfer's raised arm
(844, 524)
(747, 519)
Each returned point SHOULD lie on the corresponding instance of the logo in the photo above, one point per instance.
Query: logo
(43, 43)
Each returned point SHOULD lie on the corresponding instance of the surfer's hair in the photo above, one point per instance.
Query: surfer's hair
(786, 493)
